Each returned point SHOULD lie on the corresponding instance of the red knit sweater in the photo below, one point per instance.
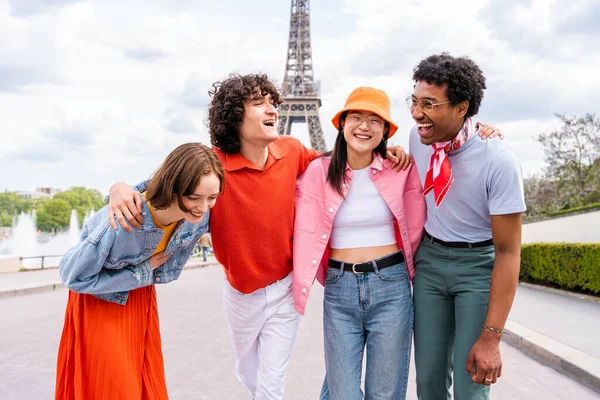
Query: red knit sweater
(252, 222)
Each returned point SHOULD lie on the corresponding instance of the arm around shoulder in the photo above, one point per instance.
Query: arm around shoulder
(415, 208)
(125, 204)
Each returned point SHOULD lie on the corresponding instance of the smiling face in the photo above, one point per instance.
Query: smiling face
(363, 132)
(443, 122)
(201, 200)
(259, 125)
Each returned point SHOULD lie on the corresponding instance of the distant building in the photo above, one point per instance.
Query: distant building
(40, 193)
(24, 194)
(47, 190)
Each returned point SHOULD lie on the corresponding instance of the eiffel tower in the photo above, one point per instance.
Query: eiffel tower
(300, 94)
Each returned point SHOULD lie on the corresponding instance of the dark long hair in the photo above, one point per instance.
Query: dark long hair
(336, 174)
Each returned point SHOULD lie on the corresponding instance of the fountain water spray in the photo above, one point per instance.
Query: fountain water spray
(74, 232)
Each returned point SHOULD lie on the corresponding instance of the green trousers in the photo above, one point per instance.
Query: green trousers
(451, 294)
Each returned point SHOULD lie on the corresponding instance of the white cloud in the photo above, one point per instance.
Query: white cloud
(94, 92)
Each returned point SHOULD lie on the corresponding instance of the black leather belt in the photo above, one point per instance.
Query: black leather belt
(367, 266)
(459, 245)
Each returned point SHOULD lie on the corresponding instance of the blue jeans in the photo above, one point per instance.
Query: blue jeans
(204, 252)
(375, 310)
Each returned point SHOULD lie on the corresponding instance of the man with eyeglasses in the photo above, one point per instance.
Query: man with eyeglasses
(467, 265)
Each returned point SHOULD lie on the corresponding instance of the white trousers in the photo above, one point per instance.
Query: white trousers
(263, 326)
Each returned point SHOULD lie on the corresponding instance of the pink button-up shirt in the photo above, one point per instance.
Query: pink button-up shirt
(317, 203)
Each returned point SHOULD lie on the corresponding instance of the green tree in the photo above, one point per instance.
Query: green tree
(11, 203)
(53, 215)
(540, 198)
(82, 200)
(572, 154)
(5, 219)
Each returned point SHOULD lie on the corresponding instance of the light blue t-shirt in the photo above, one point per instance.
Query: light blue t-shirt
(487, 181)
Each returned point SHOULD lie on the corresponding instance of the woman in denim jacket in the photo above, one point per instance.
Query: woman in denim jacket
(358, 223)
(110, 345)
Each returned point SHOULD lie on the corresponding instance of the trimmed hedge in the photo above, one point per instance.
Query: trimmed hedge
(588, 207)
(566, 265)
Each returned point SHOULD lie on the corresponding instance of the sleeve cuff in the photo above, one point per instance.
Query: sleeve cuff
(145, 274)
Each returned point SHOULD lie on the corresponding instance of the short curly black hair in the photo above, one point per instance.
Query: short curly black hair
(226, 110)
(464, 79)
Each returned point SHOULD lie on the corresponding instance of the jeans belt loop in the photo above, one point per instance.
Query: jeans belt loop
(375, 267)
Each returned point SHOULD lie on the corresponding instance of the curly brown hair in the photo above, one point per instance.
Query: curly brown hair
(226, 110)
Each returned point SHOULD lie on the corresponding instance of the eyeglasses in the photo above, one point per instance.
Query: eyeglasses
(425, 104)
(373, 123)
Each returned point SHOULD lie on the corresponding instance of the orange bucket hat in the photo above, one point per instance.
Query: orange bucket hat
(368, 99)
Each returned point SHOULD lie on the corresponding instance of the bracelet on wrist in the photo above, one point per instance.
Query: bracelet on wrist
(500, 331)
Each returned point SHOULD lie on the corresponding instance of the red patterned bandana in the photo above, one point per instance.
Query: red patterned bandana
(439, 176)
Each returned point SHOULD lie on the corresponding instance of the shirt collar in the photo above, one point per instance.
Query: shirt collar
(237, 161)
(377, 163)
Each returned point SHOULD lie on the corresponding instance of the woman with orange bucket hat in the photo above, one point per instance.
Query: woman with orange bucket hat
(358, 224)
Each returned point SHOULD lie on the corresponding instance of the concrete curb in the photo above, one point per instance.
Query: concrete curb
(570, 362)
(199, 264)
(30, 289)
(580, 296)
(49, 286)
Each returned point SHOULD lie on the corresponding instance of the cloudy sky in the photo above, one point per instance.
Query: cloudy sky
(92, 92)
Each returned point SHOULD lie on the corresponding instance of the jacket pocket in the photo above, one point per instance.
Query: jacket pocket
(308, 211)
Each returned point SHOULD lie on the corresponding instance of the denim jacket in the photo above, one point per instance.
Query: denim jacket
(108, 263)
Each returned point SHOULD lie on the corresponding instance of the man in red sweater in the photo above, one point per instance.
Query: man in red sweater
(252, 230)
(251, 227)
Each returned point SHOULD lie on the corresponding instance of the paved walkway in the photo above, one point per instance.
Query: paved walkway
(198, 357)
(569, 320)
(12, 280)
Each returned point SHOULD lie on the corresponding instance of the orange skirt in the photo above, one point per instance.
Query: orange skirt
(109, 351)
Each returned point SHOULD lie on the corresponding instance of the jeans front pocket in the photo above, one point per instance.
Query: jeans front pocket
(395, 273)
(333, 276)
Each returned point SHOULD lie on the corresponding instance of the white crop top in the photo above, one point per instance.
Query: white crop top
(364, 218)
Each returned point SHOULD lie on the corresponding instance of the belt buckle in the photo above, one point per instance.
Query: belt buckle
(354, 269)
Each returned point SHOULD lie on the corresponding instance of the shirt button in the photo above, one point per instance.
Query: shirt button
(303, 290)
(344, 185)
(324, 236)
(404, 234)
(374, 171)
(397, 208)
(157, 279)
(381, 185)
(314, 261)
(330, 209)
